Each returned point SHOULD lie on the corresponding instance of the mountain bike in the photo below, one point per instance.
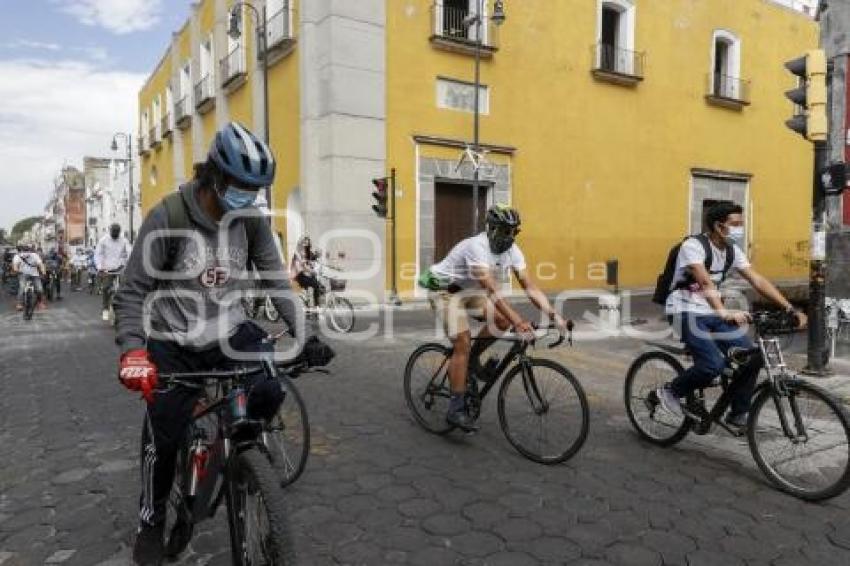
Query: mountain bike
(29, 297)
(798, 434)
(111, 288)
(542, 407)
(228, 457)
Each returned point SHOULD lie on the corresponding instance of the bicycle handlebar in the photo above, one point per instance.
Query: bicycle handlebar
(775, 322)
(288, 368)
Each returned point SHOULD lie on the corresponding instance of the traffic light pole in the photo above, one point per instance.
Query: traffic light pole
(393, 234)
(817, 352)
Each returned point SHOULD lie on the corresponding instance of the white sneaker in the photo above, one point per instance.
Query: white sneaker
(106, 314)
(669, 402)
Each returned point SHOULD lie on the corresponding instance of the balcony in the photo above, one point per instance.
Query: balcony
(616, 65)
(183, 113)
(166, 126)
(450, 32)
(233, 69)
(154, 138)
(727, 91)
(280, 35)
(205, 94)
(143, 145)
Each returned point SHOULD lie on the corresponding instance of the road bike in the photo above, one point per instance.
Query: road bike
(338, 310)
(798, 434)
(29, 297)
(229, 457)
(542, 407)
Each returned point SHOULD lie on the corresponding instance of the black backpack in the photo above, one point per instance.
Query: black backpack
(664, 284)
(178, 219)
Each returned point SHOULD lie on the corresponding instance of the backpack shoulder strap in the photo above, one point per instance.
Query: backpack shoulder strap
(730, 259)
(706, 245)
(178, 219)
(252, 229)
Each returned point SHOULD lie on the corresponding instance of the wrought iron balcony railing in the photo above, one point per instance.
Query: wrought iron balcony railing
(183, 112)
(233, 66)
(457, 25)
(204, 93)
(728, 88)
(616, 60)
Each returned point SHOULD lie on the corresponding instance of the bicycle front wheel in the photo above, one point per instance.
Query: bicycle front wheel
(646, 374)
(426, 387)
(543, 411)
(257, 513)
(809, 457)
(287, 435)
(340, 314)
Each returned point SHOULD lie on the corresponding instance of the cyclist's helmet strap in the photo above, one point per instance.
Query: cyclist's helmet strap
(243, 156)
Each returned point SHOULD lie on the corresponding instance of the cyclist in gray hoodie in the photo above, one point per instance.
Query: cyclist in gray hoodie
(179, 307)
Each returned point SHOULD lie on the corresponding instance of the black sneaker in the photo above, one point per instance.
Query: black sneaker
(148, 550)
(462, 420)
(179, 537)
(736, 421)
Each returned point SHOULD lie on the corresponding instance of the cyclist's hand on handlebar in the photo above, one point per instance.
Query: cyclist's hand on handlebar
(525, 331)
(739, 318)
(138, 373)
(802, 320)
(564, 325)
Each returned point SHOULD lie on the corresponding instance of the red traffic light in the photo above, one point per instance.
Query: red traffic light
(380, 195)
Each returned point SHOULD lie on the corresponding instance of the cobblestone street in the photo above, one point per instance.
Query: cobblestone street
(378, 489)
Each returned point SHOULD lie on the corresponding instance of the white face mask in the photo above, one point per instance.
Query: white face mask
(736, 235)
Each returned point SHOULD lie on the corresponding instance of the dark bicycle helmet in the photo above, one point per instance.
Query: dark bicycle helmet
(242, 156)
(503, 215)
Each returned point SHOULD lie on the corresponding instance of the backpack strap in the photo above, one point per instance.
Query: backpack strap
(178, 219)
(709, 256)
(252, 230)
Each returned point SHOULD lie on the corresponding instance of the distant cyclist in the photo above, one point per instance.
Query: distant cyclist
(110, 256)
(468, 281)
(304, 270)
(28, 265)
(53, 266)
(705, 325)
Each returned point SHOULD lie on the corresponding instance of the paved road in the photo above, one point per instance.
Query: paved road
(378, 490)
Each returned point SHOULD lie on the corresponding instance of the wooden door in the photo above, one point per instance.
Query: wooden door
(453, 215)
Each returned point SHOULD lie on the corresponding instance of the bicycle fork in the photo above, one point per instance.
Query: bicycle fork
(532, 392)
(779, 393)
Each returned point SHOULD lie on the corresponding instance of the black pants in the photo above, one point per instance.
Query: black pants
(310, 282)
(168, 417)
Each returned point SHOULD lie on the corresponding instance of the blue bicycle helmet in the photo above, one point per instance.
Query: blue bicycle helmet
(241, 155)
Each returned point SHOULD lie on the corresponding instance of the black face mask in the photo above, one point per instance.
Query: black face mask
(501, 239)
(115, 234)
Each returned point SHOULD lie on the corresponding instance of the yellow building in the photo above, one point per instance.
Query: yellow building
(610, 124)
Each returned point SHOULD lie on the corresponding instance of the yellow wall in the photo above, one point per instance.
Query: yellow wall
(603, 171)
(285, 127)
(284, 104)
(161, 157)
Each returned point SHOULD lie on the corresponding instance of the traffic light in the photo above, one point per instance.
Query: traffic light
(380, 196)
(809, 96)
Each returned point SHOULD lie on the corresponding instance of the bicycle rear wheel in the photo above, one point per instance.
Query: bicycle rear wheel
(543, 411)
(257, 513)
(29, 303)
(287, 435)
(340, 314)
(426, 387)
(646, 374)
(815, 463)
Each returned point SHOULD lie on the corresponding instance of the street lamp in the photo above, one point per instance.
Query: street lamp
(234, 30)
(128, 138)
(477, 20)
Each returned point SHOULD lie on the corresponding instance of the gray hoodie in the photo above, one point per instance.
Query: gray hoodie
(195, 301)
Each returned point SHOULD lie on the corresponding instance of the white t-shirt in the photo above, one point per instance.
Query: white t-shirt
(693, 300)
(27, 263)
(110, 254)
(475, 252)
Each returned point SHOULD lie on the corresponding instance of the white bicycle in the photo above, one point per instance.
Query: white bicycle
(337, 310)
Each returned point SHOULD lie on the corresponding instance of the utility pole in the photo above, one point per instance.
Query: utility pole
(834, 19)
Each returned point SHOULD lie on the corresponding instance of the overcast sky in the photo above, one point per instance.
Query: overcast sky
(70, 72)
